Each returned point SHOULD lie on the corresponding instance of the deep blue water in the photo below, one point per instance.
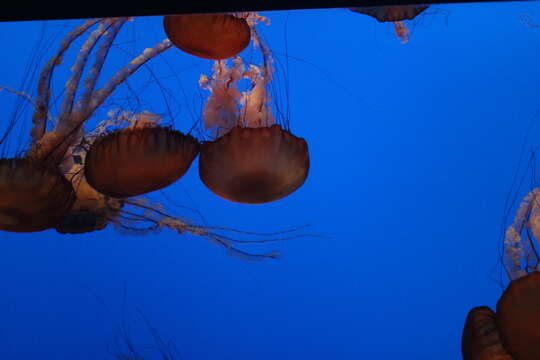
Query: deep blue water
(413, 150)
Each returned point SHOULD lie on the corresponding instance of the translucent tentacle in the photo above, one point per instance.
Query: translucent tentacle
(139, 211)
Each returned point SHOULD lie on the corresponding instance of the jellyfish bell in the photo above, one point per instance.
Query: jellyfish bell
(33, 197)
(510, 333)
(252, 159)
(518, 317)
(391, 13)
(395, 14)
(209, 36)
(138, 160)
(254, 165)
(481, 339)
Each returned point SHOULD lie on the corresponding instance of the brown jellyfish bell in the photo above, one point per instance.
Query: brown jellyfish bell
(518, 317)
(33, 196)
(481, 339)
(252, 159)
(140, 159)
(513, 331)
(394, 14)
(209, 36)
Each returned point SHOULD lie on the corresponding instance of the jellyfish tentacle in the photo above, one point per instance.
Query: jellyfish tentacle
(56, 139)
(159, 219)
(20, 94)
(257, 111)
(67, 134)
(39, 118)
(99, 96)
(95, 70)
(402, 31)
(112, 26)
(519, 252)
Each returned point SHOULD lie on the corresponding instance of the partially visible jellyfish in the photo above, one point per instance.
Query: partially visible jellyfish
(55, 191)
(481, 339)
(33, 196)
(513, 331)
(395, 14)
(251, 158)
(209, 36)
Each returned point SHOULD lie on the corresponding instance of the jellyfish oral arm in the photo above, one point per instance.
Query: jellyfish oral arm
(95, 70)
(73, 83)
(99, 96)
(42, 102)
(520, 252)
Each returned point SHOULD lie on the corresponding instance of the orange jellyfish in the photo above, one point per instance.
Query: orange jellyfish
(395, 14)
(513, 331)
(138, 160)
(209, 36)
(252, 159)
(33, 197)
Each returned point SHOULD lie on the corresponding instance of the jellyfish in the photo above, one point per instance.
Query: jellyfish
(209, 36)
(163, 156)
(513, 330)
(251, 158)
(395, 14)
(52, 169)
(33, 196)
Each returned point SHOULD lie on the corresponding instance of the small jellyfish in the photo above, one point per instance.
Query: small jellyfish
(33, 197)
(138, 160)
(394, 14)
(252, 159)
(209, 36)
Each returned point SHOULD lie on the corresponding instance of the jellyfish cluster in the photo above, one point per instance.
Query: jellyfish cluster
(77, 180)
